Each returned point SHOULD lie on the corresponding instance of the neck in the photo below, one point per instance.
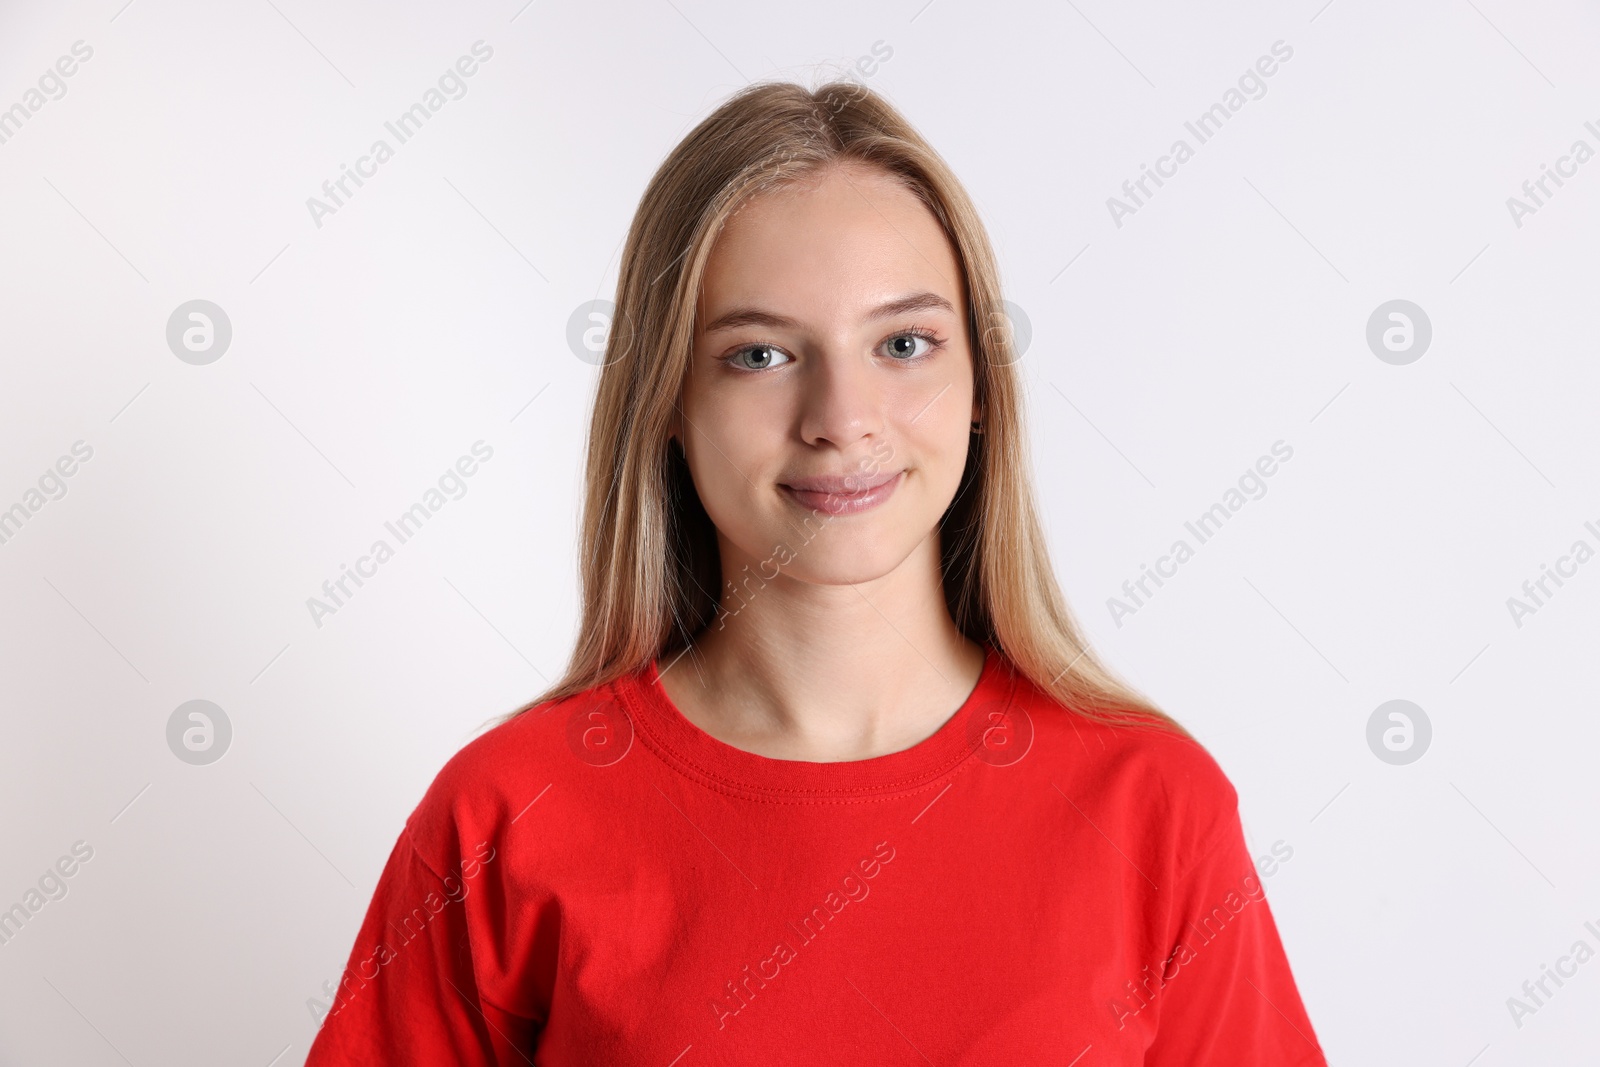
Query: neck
(802, 670)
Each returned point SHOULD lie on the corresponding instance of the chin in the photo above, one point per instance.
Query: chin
(847, 563)
(852, 572)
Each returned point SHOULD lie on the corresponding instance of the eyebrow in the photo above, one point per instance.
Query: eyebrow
(752, 316)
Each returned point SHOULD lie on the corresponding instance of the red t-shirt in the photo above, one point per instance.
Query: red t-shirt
(599, 881)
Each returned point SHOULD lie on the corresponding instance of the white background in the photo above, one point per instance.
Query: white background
(431, 311)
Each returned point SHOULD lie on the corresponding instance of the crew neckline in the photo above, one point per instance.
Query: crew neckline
(692, 751)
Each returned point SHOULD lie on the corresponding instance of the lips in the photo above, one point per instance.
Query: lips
(841, 484)
(843, 494)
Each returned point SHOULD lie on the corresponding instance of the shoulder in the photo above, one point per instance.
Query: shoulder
(1149, 779)
(494, 779)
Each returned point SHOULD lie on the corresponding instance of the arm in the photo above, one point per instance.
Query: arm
(410, 992)
(1227, 994)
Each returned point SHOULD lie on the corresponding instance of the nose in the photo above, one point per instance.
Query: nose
(843, 399)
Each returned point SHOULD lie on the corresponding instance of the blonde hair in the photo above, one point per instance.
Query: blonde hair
(648, 557)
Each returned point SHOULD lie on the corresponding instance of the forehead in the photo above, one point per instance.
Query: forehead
(839, 242)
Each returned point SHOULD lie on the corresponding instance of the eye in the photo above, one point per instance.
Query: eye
(760, 357)
(902, 347)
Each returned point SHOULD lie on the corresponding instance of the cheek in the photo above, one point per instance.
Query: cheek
(933, 437)
(731, 458)
(947, 459)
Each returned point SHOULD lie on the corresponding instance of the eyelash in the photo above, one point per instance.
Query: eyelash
(935, 343)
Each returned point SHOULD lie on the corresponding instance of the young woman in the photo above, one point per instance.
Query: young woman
(832, 774)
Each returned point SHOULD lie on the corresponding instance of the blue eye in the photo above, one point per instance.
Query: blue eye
(902, 346)
(766, 352)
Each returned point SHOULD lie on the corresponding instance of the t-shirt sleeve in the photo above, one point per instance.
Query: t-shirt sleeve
(1227, 995)
(409, 993)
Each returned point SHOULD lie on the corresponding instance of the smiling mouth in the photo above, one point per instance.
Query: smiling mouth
(832, 496)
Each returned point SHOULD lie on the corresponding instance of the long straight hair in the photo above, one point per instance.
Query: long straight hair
(649, 565)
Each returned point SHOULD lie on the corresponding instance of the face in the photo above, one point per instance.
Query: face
(826, 414)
